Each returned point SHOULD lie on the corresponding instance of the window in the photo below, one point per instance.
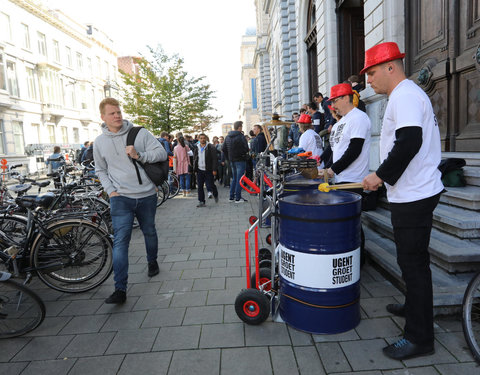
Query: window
(3, 80)
(69, 56)
(42, 44)
(99, 67)
(89, 66)
(76, 135)
(5, 30)
(31, 84)
(35, 136)
(50, 86)
(56, 50)
(83, 97)
(18, 140)
(26, 36)
(2, 147)
(51, 133)
(12, 82)
(79, 61)
(253, 83)
(107, 69)
(64, 131)
(114, 73)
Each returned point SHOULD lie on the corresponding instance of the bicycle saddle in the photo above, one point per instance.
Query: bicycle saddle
(20, 188)
(33, 201)
(42, 184)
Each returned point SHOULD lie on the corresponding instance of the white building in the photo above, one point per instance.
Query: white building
(53, 74)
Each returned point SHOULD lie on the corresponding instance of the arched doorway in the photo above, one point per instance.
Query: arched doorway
(311, 42)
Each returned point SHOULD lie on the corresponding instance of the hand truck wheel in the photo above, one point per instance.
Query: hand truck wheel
(264, 278)
(269, 239)
(252, 306)
(264, 253)
(252, 219)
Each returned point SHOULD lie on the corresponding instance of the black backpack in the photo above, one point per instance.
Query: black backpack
(157, 172)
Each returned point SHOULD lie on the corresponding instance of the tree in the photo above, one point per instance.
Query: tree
(162, 96)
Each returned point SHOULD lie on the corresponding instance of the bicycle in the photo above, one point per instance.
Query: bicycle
(471, 316)
(174, 184)
(21, 309)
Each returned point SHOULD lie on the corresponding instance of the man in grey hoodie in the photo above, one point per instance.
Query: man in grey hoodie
(128, 198)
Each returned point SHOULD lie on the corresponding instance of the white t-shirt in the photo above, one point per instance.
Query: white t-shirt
(408, 105)
(355, 124)
(311, 141)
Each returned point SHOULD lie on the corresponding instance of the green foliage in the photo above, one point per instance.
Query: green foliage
(162, 97)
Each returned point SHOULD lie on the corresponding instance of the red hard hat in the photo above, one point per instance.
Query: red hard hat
(381, 53)
(305, 119)
(340, 90)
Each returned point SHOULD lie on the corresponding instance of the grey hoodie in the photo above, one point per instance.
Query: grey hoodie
(115, 169)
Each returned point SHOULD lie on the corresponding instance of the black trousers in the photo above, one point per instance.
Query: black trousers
(412, 225)
(205, 177)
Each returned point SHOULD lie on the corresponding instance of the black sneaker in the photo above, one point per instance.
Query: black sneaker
(153, 269)
(404, 349)
(117, 297)
(201, 204)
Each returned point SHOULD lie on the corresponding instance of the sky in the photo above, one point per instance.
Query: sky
(206, 33)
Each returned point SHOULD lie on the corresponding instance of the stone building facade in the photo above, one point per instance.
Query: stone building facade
(53, 74)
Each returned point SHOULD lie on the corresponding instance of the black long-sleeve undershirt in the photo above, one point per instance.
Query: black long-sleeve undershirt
(352, 152)
(407, 143)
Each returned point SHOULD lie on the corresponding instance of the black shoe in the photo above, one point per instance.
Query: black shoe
(201, 204)
(216, 199)
(117, 297)
(153, 269)
(404, 349)
(396, 309)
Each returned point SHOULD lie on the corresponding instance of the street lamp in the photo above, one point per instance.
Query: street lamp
(107, 89)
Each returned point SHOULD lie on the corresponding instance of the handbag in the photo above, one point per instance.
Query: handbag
(157, 172)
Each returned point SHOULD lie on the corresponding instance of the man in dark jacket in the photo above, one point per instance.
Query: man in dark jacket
(205, 165)
(236, 151)
(259, 143)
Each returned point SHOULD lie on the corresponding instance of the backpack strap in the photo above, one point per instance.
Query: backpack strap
(132, 134)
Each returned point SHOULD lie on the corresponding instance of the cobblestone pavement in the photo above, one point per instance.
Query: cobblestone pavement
(183, 320)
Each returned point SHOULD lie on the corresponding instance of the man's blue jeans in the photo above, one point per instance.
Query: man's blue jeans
(123, 210)
(238, 170)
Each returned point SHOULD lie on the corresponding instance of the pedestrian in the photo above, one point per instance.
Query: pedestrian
(323, 103)
(318, 118)
(236, 151)
(410, 151)
(205, 165)
(182, 162)
(309, 140)
(221, 163)
(128, 198)
(294, 133)
(55, 160)
(165, 141)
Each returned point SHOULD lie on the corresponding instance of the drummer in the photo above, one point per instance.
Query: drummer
(309, 140)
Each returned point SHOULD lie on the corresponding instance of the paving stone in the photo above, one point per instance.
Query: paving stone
(225, 335)
(441, 356)
(153, 301)
(367, 355)
(236, 262)
(376, 307)
(149, 363)
(175, 338)
(377, 328)
(299, 338)
(115, 309)
(382, 289)
(202, 256)
(144, 288)
(456, 345)
(226, 272)
(83, 307)
(195, 362)
(221, 297)
(308, 361)
(50, 326)
(246, 361)
(236, 283)
(209, 284)
(121, 321)
(203, 315)
(213, 263)
(105, 365)
(229, 314)
(202, 273)
(167, 275)
(413, 371)
(12, 368)
(53, 308)
(283, 360)
(332, 357)
(12, 346)
(193, 249)
(450, 324)
(345, 336)
(176, 286)
(137, 268)
(267, 333)
(41, 348)
(471, 368)
(84, 324)
(88, 345)
(175, 258)
(183, 299)
(133, 341)
(187, 265)
(164, 317)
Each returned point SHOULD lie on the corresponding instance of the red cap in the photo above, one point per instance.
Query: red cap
(305, 119)
(340, 90)
(380, 54)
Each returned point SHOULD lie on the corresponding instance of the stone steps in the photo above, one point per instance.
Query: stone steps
(448, 289)
(471, 158)
(472, 175)
(448, 252)
(467, 197)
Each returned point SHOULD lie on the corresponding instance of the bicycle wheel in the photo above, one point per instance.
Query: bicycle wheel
(471, 316)
(13, 230)
(174, 185)
(21, 310)
(74, 256)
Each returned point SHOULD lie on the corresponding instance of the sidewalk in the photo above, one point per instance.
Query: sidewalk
(183, 320)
